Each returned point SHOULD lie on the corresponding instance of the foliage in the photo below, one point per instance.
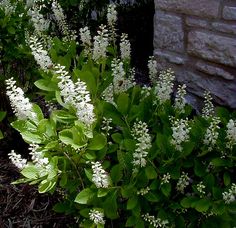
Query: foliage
(119, 153)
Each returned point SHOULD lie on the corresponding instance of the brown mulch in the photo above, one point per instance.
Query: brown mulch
(22, 205)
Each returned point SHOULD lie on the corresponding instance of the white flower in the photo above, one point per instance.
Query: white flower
(201, 187)
(141, 135)
(19, 103)
(96, 216)
(17, 160)
(111, 15)
(40, 55)
(85, 37)
(61, 21)
(231, 134)
(100, 44)
(8, 7)
(212, 133)
(155, 222)
(143, 191)
(107, 95)
(183, 182)
(40, 24)
(100, 177)
(77, 95)
(229, 196)
(145, 92)
(165, 179)
(208, 109)
(106, 125)
(152, 68)
(164, 85)
(120, 82)
(125, 47)
(179, 99)
(180, 132)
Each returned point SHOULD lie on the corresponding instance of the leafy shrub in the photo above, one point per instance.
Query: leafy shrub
(119, 153)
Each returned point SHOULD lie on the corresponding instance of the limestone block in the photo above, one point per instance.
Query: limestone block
(222, 91)
(224, 27)
(219, 49)
(229, 13)
(193, 22)
(202, 8)
(214, 71)
(172, 58)
(169, 34)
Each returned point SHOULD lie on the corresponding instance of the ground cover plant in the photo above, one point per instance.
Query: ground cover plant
(119, 154)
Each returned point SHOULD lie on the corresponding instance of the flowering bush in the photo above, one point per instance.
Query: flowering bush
(119, 154)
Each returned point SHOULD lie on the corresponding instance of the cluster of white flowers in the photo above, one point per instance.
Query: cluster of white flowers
(208, 109)
(212, 133)
(76, 94)
(111, 15)
(155, 222)
(145, 92)
(40, 23)
(107, 95)
(140, 133)
(86, 39)
(152, 68)
(120, 82)
(179, 99)
(180, 132)
(17, 160)
(106, 125)
(61, 21)
(183, 182)
(7, 7)
(201, 187)
(229, 196)
(100, 44)
(125, 47)
(100, 177)
(19, 103)
(41, 162)
(143, 191)
(40, 55)
(231, 134)
(164, 85)
(165, 179)
(96, 216)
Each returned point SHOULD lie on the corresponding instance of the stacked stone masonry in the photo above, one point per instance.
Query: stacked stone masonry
(198, 40)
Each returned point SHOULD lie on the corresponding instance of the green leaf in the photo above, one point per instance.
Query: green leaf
(199, 169)
(187, 148)
(116, 173)
(202, 205)
(150, 172)
(102, 192)
(166, 189)
(46, 185)
(220, 162)
(227, 179)
(46, 85)
(2, 115)
(1, 135)
(31, 137)
(188, 201)
(123, 103)
(117, 137)
(132, 202)
(84, 196)
(131, 221)
(19, 125)
(98, 142)
(30, 172)
(110, 206)
(64, 116)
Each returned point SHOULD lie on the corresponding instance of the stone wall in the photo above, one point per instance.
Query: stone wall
(197, 38)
